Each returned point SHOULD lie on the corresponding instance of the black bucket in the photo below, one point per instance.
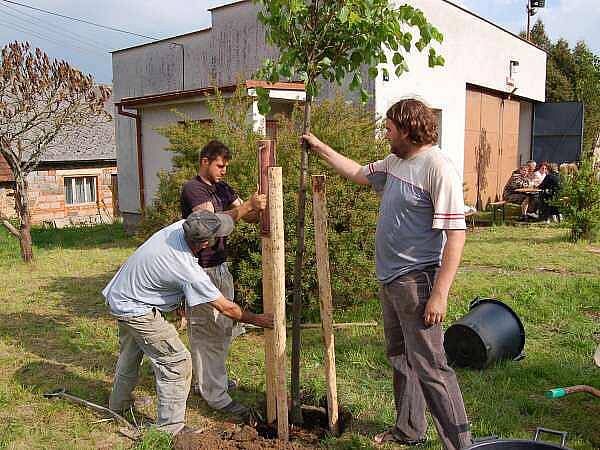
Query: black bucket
(488, 333)
(521, 444)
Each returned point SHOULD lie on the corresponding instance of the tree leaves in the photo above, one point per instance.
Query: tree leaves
(335, 39)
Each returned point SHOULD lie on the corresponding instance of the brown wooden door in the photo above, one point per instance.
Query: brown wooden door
(491, 145)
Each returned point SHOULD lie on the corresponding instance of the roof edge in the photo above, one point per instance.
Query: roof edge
(133, 102)
(160, 41)
(225, 5)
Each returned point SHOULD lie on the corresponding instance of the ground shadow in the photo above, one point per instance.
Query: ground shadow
(56, 338)
(40, 377)
(82, 295)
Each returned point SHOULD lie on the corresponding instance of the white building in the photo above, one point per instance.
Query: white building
(484, 94)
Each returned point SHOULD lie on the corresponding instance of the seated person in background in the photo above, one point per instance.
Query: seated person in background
(531, 166)
(550, 186)
(538, 176)
(518, 180)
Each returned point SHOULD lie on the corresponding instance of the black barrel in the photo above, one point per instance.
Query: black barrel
(488, 333)
(516, 444)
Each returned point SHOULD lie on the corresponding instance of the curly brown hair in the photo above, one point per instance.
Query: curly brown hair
(416, 118)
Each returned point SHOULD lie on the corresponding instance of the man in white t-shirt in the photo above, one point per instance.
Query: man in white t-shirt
(154, 280)
(418, 246)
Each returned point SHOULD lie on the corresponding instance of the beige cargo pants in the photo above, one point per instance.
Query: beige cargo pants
(210, 334)
(151, 335)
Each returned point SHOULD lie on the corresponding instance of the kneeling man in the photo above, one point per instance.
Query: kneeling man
(152, 281)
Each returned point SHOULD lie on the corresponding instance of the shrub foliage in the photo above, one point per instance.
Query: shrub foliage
(352, 209)
(581, 207)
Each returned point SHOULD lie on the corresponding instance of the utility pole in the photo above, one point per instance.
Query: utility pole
(531, 11)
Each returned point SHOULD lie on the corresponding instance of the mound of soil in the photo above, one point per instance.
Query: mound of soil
(242, 437)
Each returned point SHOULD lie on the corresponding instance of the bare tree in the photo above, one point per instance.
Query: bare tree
(41, 101)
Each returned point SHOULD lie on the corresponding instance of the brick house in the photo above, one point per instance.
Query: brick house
(76, 181)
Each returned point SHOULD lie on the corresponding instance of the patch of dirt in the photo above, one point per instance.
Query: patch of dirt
(242, 437)
(231, 436)
(595, 250)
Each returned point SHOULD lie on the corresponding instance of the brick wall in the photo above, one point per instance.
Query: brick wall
(47, 196)
(5, 172)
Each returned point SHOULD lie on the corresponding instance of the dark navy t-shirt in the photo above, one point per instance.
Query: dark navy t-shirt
(196, 192)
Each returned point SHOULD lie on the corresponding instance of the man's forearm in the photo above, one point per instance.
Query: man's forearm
(346, 167)
(240, 211)
(451, 257)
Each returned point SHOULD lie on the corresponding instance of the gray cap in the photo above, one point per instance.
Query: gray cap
(204, 225)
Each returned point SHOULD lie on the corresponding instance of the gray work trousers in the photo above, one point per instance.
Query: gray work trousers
(422, 376)
(210, 334)
(151, 335)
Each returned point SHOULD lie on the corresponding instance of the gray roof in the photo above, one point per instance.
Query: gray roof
(93, 142)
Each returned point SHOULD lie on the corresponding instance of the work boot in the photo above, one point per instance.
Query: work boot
(232, 385)
(236, 409)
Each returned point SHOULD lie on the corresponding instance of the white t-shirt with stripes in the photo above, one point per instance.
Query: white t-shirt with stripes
(421, 197)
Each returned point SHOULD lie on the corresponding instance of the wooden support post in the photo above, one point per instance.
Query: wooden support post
(326, 303)
(266, 159)
(278, 295)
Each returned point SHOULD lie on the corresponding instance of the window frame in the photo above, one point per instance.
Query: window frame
(93, 190)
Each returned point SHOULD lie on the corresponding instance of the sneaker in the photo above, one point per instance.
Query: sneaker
(392, 436)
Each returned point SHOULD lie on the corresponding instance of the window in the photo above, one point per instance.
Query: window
(80, 190)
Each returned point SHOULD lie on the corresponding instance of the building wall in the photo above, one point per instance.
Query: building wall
(47, 196)
(233, 49)
(156, 158)
(476, 52)
(5, 172)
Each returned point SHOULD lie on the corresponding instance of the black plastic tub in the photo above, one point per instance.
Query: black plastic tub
(489, 332)
(515, 444)
(523, 444)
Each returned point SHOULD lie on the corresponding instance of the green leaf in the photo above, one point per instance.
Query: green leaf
(373, 72)
(343, 15)
(397, 59)
(356, 82)
(364, 96)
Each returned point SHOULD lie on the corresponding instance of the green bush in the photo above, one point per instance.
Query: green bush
(581, 208)
(352, 208)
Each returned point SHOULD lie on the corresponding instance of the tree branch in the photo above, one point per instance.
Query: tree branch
(9, 226)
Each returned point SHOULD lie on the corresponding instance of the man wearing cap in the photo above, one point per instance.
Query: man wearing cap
(210, 332)
(154, 280)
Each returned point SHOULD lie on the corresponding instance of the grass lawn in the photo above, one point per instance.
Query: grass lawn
(56, 331)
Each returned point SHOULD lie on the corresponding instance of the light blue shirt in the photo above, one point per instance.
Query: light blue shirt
(159, 274)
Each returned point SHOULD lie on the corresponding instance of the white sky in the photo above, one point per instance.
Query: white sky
(87, 47)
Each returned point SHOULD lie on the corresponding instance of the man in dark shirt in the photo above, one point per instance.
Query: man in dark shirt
(209, 331)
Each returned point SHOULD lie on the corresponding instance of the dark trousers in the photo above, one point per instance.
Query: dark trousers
(422, 377)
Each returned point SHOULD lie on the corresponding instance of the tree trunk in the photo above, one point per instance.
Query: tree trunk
(22, 205)
(296, 411)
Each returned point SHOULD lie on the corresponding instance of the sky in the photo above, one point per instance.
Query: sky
(87, 47)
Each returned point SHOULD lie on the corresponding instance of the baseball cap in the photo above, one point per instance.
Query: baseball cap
(204, 225)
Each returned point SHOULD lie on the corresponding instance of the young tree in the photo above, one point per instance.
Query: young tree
(40, 101)
(334, 40)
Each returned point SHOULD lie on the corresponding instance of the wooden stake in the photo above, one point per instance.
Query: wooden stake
(326, 303)
(278, 294)
(266, 159)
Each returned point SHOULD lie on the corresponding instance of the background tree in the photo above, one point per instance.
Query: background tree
(572, 75)
(336, 41)
(40, 101)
